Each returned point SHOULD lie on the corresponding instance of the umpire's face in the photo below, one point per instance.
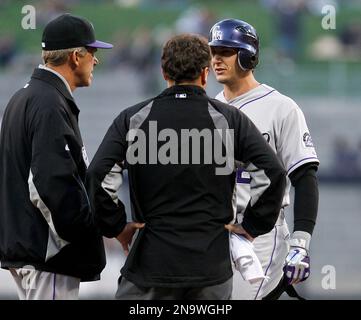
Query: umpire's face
(225, 64)
(84, 67)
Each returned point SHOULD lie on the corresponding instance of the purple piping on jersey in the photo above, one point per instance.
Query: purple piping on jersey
(256, 99)
(273, 251)
(301, 161)
(54, 282)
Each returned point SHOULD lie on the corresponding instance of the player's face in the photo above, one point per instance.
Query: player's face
(224, 64)
(85, 68)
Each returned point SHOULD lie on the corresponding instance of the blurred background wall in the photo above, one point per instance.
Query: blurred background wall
(319, 68)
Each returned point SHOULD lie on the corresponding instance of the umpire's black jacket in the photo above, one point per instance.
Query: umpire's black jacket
(184, 204)
(45, 217)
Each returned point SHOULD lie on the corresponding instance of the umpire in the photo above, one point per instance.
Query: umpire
(47, 233)
(182, 194)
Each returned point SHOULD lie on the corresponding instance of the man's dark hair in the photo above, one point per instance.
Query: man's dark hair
(184, 56)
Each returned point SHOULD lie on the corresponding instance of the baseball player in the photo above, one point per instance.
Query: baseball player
(284, 258)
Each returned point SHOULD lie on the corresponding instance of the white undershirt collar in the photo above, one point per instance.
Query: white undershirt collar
(41, 66)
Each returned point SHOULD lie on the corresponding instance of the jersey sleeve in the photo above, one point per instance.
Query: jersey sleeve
(294, 143)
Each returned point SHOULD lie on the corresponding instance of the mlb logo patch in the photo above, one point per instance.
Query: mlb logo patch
(181, 95)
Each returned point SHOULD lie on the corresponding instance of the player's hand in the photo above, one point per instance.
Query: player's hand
(297, 266)
(237, 228)
(126, 236)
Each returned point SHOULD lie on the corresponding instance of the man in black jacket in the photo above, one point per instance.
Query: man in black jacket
(48, 238)
(181, 149)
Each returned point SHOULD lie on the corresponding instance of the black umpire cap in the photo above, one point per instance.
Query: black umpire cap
(68, 31)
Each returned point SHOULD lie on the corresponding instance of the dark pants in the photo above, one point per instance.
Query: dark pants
(129, 291)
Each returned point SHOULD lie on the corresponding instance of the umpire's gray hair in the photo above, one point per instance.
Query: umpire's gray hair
(59, 57)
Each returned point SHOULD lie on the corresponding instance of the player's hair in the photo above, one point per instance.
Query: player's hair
(59, 57)
(185, 56)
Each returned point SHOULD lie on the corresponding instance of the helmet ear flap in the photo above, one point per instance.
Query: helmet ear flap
(247, 60)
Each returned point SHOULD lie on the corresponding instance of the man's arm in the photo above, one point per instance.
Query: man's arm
(55, 186)
(104, 178)
(296, 149)
(304, 180)
(103, 181)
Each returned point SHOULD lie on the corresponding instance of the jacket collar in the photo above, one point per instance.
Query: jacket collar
(187, 89)
(59, 75)
(52, 79)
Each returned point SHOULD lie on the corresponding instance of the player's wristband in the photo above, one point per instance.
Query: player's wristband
(300, 239)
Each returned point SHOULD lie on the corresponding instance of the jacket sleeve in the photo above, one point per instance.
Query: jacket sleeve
(104, 178)
(55, 186)
(267, 177)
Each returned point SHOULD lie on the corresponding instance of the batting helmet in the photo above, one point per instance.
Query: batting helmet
(237, 34)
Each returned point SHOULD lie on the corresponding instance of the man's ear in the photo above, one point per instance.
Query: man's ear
(165, 77)
(74, 59)
(204, 76)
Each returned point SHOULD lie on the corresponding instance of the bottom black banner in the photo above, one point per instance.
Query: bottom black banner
(167, 309)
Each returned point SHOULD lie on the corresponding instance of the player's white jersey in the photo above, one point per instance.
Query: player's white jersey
(283, 125)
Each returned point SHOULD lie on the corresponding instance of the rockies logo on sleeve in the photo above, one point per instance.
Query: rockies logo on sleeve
(307, 140)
